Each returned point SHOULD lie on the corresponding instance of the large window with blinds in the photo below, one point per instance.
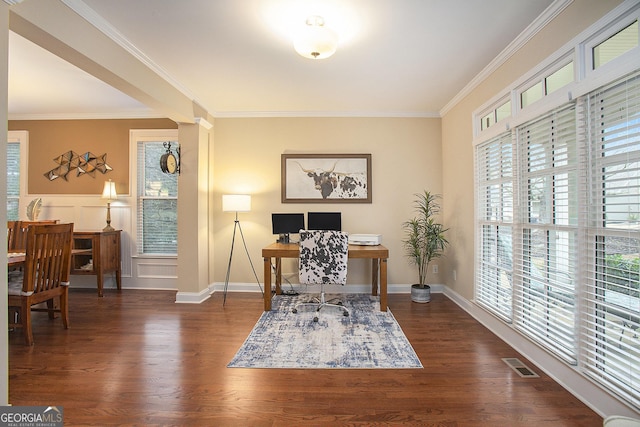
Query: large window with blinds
(612, 295)
(558, 233)
(494, 177)
(157, 201)
(547, 243)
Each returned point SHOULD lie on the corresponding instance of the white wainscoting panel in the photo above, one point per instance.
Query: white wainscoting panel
(157, 268)
(89, 213)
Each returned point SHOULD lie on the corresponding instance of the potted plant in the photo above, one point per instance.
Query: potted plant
(424, 241)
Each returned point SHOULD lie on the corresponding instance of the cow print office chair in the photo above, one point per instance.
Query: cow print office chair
(323, 260)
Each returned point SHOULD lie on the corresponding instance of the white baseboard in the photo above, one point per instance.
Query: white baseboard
(236, 287)
(194, 297)
(335, 289)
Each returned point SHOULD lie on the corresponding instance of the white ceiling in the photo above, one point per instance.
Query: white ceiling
(235, 57)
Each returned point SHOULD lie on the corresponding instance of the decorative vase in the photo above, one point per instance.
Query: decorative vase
(420, 294)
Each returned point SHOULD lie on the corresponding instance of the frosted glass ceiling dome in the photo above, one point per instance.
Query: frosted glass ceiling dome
(315, 41)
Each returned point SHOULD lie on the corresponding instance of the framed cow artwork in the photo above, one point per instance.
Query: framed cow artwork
(326, 178)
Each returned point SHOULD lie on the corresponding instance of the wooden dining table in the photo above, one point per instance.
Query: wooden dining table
(15, 258)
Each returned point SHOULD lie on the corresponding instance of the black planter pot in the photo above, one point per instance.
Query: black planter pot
(420, 294)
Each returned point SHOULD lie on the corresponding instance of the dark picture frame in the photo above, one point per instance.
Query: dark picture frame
(326, 178)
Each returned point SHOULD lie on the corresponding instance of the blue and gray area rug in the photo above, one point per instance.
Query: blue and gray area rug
(367, 339)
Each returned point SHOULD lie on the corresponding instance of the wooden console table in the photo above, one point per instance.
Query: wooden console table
(96, 253)
(378, 255)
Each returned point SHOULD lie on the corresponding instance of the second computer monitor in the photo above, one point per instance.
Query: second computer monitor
(324, 221)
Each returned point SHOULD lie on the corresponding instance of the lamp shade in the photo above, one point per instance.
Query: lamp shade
(316, 41)
(236, 203)
(109, 191)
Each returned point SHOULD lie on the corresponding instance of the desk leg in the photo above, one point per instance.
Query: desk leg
(383, 284)
(374, 276)
(267, 284)
(278, 276)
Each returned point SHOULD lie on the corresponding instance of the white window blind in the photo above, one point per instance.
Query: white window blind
(612, 307)
(494, 178)
(13, 181)
(157, 201)
(545, 288)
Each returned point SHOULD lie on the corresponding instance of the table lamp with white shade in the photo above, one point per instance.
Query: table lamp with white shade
(109, 193)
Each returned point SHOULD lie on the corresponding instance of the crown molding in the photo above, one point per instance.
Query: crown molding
(134, 114)
(534, 28)
(325, 114)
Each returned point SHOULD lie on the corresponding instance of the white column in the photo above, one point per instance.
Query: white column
(193, 211)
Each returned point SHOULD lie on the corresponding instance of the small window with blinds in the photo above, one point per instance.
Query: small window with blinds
(13, 181)
(157, 201)
(494, 179)
(612, 307)
(545, 291)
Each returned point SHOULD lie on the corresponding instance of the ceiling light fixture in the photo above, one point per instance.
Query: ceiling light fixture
(316, 41)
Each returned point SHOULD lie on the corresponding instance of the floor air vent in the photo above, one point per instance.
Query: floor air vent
(520, 368)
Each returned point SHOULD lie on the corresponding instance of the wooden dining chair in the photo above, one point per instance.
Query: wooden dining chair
(11, 233)
(19, 241)
(44, 278)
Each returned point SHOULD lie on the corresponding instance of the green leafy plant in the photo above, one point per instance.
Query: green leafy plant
(622, 274)
(425, 239)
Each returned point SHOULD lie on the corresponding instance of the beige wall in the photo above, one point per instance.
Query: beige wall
(457, 136)
(49, 139)
(406, 159)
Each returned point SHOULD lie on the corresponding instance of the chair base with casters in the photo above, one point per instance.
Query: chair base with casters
(320, 303)
(323, 260)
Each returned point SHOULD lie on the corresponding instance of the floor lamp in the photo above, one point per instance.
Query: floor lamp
(237, 203)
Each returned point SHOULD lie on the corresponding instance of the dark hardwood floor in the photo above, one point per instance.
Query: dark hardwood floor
(137, 358)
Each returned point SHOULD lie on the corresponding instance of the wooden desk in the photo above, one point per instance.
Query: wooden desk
(97, 253)
(378, 255)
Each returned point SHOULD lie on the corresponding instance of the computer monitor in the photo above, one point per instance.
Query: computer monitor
(324, 221)
(284, 224)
